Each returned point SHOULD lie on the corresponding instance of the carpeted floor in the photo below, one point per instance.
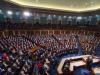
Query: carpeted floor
(82, 71)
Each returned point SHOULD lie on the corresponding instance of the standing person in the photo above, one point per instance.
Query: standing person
(89, 62)
(40, 67)
(5, 57)
(35, 70)
(66, 67)
(46, 68)
(52, 70)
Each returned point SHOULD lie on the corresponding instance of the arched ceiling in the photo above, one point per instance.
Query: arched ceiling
(63, 5)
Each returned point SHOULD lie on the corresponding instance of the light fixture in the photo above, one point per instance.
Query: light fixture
(26, 13)
(70, 17)
(97, 15)
(9, 12)
(54, 16)
(65, 16)
(17, 13)
(79, 18)
(0, 11)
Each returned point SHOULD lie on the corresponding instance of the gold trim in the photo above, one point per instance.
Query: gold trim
(53, 8)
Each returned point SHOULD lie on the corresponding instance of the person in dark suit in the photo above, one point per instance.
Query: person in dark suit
(66, 67)
(89, 62)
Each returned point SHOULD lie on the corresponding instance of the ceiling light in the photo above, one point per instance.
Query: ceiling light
(79, 18)
(54, 16)
(9, 12)
(69, 17)
(65, 16)
(26, 13)
(0, 11)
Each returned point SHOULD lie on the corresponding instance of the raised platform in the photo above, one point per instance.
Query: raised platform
(76, 61)
(96, 70)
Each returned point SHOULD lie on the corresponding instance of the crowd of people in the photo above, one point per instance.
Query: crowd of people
(40, 54)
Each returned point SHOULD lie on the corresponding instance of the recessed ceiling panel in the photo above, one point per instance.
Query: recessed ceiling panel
(64, 5)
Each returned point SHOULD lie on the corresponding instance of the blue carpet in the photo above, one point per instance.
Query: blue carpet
(82, 71)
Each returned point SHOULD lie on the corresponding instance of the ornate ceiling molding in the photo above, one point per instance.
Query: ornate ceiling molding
(61, 5)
